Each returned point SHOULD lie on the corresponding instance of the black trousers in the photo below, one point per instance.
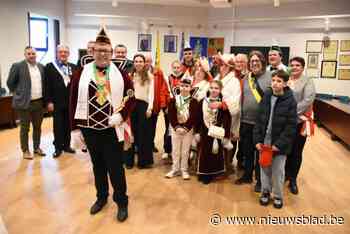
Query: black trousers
(142, 130)
(294, 159)
(106, 157)
(61, 129)
(166, 137)
(251, 157)
(239, 156)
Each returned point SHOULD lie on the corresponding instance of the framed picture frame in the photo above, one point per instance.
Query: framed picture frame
(344, 74)
(312, 61)
(329, 69)
(199, 46)
(170, 43)
(313, 73)
(345, 46)
(38, 33)
(314, 46)
(344, 60)
(330, 53)
(144, 42)
(215, 44)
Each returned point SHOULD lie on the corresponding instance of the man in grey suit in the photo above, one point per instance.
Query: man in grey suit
(26, 83)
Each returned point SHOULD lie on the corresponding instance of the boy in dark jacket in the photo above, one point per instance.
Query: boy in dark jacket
(274, 129)
(182, 111)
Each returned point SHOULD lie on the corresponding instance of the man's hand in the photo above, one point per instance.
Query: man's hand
(181, 131)
(215, 105)
(258, 146)
(50, 107)
(148, 113)
(274, 148)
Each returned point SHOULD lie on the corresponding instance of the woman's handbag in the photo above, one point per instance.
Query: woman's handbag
(216, 132)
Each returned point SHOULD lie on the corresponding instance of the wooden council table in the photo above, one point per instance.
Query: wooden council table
(335, 117)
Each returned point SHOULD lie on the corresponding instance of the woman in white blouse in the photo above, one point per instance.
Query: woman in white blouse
(201, 80)
(140, 118)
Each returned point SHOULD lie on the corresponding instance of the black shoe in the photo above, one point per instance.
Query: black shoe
(129, 167)
(293, 187)
(148, 166)
(69, 150)
(122, 213)
(97, 206)
(57, 153)
(240, 165)
(243, 180)
(257, 187)
(39, 152)
(277, 203)
(155, 150)
(206, 180)
(264, 199)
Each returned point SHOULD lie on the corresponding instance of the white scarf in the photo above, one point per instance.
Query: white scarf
(116, 83)
(66, 78)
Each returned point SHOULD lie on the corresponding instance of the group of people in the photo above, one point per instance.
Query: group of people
(238, 107)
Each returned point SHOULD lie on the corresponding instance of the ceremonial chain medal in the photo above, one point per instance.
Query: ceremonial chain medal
(102, 84)
(213, 113)
(181, 106)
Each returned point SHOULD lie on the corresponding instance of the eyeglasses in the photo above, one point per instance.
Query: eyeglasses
(255, 61)
(103, 51)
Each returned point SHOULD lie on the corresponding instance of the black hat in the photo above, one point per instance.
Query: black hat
(102, 37)
(276, 48)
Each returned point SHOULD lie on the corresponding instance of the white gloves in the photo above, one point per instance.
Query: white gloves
(77, 139)
(226, 143)
(115, 120)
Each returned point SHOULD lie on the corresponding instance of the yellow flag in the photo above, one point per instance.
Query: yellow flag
(158, 52)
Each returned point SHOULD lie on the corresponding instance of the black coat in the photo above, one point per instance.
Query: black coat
(56, 91)
(284, 121)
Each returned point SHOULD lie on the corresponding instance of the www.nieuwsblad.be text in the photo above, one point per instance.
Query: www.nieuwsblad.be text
(218, 220)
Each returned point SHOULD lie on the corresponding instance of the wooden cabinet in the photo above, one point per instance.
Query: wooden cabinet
(7, 113)
(335, 117)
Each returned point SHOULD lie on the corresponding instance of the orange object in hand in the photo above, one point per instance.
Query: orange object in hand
(265, 158)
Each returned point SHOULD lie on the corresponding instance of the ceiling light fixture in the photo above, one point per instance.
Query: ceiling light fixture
(276, 3)
(114, 3)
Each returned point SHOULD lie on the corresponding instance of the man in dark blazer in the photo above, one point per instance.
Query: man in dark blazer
(26, 82)
(58, 75)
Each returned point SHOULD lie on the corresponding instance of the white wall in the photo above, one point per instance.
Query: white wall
(125, 31)
(14, 29)
(287, 33)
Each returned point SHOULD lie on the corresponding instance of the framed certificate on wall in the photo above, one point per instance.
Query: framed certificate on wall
(330, 52)
(344, 59)
(329, 69)
(345, 45)
(312, 61)
(344, 74)
(313, 73)
(313, 46)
